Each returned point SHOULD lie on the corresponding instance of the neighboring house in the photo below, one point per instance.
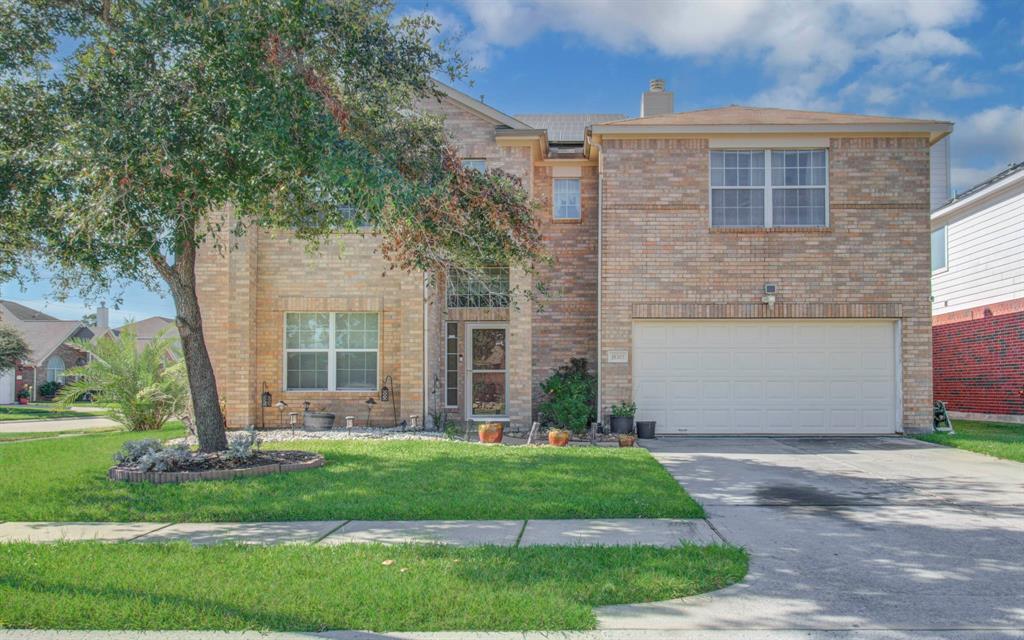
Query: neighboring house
(732, 270)
(978, 299)
(145, 331)
(51, 352)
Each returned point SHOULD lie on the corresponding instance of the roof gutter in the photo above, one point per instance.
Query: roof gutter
(954, 206)
(936, 130)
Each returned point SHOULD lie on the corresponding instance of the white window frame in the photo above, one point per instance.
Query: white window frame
(59, 375)
(447, 370)
(579, 199)
(769, 187)
(471, 163)
(332, 354)
(945, 240)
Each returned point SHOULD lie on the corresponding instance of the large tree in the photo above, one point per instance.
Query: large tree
(298, 114)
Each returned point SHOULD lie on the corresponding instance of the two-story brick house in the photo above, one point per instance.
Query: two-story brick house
(732, 270)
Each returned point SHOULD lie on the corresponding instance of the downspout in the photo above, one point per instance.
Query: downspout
(600, 244)
(426, 353)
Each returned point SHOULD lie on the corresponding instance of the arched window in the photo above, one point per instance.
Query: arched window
(55, 369)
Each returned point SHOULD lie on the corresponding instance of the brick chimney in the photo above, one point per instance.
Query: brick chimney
(656, 100)
(102, 318)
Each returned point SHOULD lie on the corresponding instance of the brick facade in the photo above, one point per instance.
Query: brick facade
(978, 359)
(872, 260)
(660, 259)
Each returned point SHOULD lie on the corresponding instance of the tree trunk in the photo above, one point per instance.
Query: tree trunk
(201, 381)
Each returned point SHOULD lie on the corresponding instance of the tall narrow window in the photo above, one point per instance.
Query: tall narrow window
(939, 261)
(566, 199)
(307, 343)
(451, 363)
(355, 339)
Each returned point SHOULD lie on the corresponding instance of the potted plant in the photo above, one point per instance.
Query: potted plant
(317, 420)
(558, 437)
(645, 429)
(622, 417)
(490, 432)
(24, 394)
(627, 439)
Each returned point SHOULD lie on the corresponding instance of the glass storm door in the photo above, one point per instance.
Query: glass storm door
(487, 378)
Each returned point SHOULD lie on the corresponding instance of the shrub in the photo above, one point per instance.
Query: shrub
(152, 455)
(571, 391)
(132, 450)
(13, 348)
(142, 387)
(624, 409)
(50, 388)
(242, 445)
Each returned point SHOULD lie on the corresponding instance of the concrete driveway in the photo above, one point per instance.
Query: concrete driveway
(851, 534)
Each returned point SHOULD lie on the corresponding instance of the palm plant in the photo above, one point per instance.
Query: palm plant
(143, 387)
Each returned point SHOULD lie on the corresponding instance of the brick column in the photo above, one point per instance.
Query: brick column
(237, 379)
(520, 352)
(411, 366)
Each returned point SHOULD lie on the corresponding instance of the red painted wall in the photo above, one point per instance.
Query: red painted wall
(978, 359)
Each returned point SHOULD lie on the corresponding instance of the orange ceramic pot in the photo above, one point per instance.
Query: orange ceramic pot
(558, 437)
(490, 432)
(627, 440)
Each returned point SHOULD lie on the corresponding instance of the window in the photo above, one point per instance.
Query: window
(474, 163)
(939, 249)
(797, 196)
(451, 364)
(485, 288)
(55, 369)
(566, 199)
(331, 351)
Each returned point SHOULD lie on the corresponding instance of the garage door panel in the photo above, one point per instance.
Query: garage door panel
(754, 376)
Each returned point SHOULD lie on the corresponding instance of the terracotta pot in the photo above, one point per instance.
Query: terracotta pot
(22, 400)
(627, 440)
(490, 432)
(558, 437)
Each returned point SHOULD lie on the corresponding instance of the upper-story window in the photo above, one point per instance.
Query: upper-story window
(488, 287)
(769, 188)
(566, 199)
(474, 163)
(939, 249)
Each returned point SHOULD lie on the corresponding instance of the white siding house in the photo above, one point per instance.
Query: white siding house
(978, 247)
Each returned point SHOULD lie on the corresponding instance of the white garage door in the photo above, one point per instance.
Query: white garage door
(6, 386)
(766, 376)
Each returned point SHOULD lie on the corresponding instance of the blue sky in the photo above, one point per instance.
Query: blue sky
(960, 60)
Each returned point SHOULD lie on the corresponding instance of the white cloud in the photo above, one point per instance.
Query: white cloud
(1017, 67)
(803, 46)
(997, 131)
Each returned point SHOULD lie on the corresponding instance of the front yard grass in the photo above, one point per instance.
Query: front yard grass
(28, 412)
(996, 439)
(301, 588)
(64, 479)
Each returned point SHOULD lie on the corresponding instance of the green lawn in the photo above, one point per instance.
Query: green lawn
(29, 412)
(991, 438)
(64, 479)
(302, 588)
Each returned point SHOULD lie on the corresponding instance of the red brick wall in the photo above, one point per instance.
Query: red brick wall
(979, 361)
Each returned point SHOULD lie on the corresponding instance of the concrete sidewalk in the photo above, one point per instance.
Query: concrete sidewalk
(56, 424)
(507, 533)
(713, 634)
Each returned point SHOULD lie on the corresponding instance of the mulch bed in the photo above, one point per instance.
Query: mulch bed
(214, 466)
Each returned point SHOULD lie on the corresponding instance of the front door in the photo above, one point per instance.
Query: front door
(486, 372)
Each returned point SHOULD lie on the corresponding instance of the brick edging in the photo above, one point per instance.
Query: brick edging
(175, 477)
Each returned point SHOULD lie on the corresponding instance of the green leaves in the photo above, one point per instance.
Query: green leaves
(13, 348)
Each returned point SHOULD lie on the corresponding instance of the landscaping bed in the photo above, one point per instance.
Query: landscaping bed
(216, 466)
(1001, 440)
(298, 588)
(64, 479)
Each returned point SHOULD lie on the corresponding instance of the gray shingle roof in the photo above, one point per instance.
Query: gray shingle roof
(566, 127)
(1002, 175)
